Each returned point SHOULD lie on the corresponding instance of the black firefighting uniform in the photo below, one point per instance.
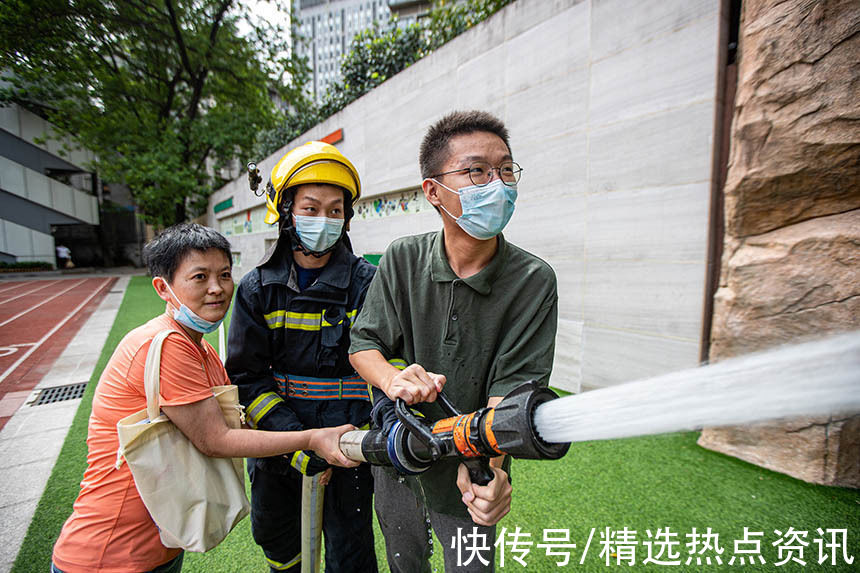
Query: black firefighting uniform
(277, 332)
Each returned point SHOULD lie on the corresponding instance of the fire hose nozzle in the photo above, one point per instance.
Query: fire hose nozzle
(412, 446)
(513, 424)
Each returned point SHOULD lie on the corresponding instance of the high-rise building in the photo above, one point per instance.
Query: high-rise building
(325, 29)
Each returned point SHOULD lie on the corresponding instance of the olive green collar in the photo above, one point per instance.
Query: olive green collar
(482, 281)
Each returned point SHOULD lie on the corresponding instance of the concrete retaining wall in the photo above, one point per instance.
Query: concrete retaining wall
(612, 107)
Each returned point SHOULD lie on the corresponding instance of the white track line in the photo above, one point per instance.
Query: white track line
(28, 292)
(51, 333)
(22, 313)
(16, 285)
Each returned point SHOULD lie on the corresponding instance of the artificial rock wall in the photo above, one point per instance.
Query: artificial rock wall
(791, 263)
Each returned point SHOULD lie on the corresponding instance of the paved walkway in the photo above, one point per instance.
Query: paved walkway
(30, 442)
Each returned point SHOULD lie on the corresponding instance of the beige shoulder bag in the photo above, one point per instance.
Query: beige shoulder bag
(195, 500)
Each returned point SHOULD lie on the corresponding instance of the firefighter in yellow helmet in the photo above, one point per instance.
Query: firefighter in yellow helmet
(313, 163)
(287, 353)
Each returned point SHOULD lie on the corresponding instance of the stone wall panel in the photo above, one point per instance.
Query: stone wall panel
(796, 137)
(796, 282)
(791, 259)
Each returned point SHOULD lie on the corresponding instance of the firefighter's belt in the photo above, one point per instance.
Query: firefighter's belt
(310, 388)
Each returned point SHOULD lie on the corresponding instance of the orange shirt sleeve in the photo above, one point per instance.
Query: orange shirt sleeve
(184, 376)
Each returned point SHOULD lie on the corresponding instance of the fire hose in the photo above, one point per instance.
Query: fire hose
(411, 445)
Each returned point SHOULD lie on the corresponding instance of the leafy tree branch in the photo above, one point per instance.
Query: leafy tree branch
(164, 93)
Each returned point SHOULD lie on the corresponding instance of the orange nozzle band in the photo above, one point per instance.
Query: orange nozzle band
(446, 425)
(461, 436)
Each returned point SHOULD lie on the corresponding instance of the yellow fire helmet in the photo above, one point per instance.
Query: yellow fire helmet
(313, 162)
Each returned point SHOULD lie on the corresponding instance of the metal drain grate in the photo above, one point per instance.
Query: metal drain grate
(60, 393)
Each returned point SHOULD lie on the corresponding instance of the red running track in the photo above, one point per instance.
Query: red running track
(38, 319)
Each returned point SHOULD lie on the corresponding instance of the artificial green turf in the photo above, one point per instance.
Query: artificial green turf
(640, 483)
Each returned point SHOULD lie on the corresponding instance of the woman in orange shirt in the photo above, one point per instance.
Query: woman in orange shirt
(110, 530)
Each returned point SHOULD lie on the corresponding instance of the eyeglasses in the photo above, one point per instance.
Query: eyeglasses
(481, 173)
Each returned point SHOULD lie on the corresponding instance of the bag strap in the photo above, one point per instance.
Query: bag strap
(152, 374)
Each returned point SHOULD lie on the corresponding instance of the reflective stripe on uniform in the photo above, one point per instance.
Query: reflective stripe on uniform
(260, 407)
(310, 321)
(294, 320)
(278, 566)
(300, 461)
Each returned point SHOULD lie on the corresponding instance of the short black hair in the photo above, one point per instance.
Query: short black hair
(163, 254)
(434, 146)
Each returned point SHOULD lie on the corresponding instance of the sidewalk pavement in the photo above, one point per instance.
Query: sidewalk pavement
(31, 440)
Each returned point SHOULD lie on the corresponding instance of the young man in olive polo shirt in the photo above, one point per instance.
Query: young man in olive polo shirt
(468, 311)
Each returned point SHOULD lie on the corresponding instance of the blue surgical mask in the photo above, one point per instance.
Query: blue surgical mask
(186, 317)
(318, 233)
(486, 210)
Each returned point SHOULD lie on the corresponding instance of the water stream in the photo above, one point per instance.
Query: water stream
(819, 378)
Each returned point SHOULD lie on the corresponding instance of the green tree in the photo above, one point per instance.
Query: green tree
(164, 92)
(375, 55)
